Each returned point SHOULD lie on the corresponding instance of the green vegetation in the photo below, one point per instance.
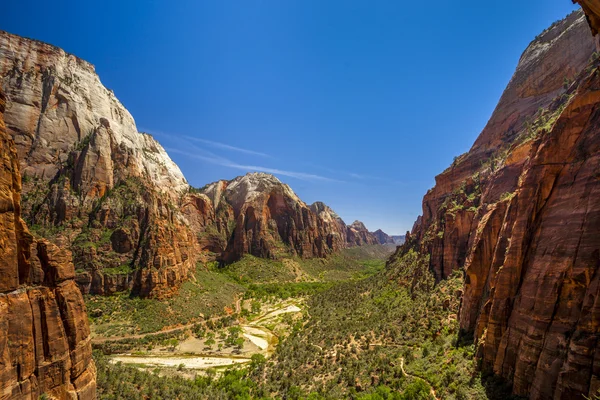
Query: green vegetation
(123, 269)
(118, 381)
(208, 294)
(392, 335)
(507, 196)
(85, 141)
(214, 290)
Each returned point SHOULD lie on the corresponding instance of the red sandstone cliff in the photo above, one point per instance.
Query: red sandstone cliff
(91, 182)
(257, 214)
(44, 333)
(529, 103)
(592, 13)
(520, 212)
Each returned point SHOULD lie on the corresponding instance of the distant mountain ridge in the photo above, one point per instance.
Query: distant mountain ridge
(399, 239)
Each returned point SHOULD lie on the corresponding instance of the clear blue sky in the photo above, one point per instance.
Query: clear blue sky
(356, 103)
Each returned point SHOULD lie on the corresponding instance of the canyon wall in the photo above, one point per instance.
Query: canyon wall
(520, 212)
(257, 214)
(91, 182)
(383, 238)
(45, 343)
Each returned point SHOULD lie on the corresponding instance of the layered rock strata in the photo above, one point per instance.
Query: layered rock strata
(92, 183)
(95, 185)
(383, 238)
(45, 343)
(520, 212)
(257, 214)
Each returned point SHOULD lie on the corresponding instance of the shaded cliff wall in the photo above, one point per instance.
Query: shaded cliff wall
(91, 181)
(44, 333)
(520, 212)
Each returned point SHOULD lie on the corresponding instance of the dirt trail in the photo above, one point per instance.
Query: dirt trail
(432, 390)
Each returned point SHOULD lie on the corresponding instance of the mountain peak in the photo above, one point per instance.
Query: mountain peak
(359, 225)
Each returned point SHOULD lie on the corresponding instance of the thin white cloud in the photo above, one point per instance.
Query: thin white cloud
(211, 143)
(227, 163)
(227, 147)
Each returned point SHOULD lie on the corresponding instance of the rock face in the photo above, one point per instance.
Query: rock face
(382, 237)
(521, 213)
(592, 13)
(44, 333)
(257, 214)
(357, 234)
(531, 100)
(92, 183)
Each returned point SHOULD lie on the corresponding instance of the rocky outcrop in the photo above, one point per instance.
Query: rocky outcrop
(96, 186)
(521, 213)
(543, 76)
(257, 214)
(382, 237)
(357, 234)
(592, 13)
(44, 333)
(92, 182)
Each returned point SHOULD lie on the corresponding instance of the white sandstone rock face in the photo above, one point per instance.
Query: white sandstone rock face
(245, 189)
(55, 100)
(326, 213)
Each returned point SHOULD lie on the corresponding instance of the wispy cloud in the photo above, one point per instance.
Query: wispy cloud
(200, 153)
(227, 163)
(227, 147)
(356, 176)
(207, 142)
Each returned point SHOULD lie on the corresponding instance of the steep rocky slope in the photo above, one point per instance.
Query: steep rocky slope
(531, 102)
(91, 181)
(521, 213)
(257, 214)
(44, 333)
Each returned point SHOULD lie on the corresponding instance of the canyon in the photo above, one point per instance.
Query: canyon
(93, 184)
(89, 205)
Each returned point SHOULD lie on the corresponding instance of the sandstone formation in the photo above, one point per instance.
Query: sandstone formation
(45, 343)
(592, 13)
(521, 213)
(91, 181)
(531, 100)
(383, 238)
(357, 234)
(257, 214)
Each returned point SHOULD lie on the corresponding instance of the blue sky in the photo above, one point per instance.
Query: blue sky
(355, 103)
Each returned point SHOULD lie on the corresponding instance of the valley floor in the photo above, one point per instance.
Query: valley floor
(375, 332)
